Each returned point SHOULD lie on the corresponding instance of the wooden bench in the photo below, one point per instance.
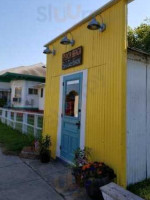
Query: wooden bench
(114, 192)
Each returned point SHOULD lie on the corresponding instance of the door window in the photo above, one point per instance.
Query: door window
(72, 98)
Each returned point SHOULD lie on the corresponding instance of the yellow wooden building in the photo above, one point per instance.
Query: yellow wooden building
(86, 88)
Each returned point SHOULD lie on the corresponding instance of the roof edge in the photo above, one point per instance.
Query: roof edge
(17, 74)
(138, 51)
(39, 85)
(22, 77)
(98, 11)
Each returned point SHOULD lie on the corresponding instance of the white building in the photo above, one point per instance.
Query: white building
(41, 95)
(138, 116)
(5, 93)
(21, 81)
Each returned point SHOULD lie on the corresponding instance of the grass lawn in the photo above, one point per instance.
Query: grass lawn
(142, 189)
(13, 140)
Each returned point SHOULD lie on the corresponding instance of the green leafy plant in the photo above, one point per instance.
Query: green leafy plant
(139, 37)
(82, 157)
(2, 102)
(141, 189)
(45, 153)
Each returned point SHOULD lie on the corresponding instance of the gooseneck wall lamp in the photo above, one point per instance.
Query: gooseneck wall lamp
(95, 25)
(49, 51)
(66, 41)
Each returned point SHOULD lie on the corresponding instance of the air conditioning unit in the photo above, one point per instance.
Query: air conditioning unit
(29, 102)
(32, 102)
(17, 100)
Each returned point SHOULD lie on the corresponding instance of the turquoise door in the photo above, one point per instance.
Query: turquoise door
(71, 115)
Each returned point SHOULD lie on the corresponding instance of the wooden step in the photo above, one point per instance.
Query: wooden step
(113, 191)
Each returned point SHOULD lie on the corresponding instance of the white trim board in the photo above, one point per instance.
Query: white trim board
(83, 111)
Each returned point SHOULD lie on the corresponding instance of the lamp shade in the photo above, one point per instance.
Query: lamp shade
(47, 51)
(65, 41)
(93, 24)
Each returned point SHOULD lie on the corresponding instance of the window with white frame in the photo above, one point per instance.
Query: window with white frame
(33, 91)
(18, 92)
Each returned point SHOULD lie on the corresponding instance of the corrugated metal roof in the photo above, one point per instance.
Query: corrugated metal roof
(34, 70)
(138, 51)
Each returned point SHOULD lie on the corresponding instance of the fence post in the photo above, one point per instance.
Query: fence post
(4, 116)
(15, 116)
(0, 115)
(24, 126)
(35, 124)
(8, 117)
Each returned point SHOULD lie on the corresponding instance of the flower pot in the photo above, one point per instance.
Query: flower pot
(45, 156)
(93, 187)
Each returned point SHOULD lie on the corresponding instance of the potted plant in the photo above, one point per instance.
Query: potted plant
(96, 175)
(45, 153)
(81, 158)
(92, 175)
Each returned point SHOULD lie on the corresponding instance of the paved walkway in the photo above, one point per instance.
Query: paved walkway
(19, 182)
(22, 179)
(58, 176)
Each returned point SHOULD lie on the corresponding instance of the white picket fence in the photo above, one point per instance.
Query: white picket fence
(25, 122)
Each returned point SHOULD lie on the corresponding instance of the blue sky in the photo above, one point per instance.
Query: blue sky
(26, 25)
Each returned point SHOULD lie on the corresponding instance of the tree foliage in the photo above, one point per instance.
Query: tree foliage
(139, 37)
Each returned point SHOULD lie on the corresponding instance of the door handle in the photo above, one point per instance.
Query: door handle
(78, 124)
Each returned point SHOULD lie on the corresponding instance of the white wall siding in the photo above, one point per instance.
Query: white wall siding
(137, 135)
(4, 85)
(148, 118)
(29, 97)
(41, 99)
(26, 98)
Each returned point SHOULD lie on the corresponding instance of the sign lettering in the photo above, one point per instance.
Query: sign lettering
(72, 58)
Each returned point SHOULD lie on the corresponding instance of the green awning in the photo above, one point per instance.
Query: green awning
(8, 76)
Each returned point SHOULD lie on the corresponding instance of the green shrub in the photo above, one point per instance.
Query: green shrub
(141, 189)
(2, 102)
